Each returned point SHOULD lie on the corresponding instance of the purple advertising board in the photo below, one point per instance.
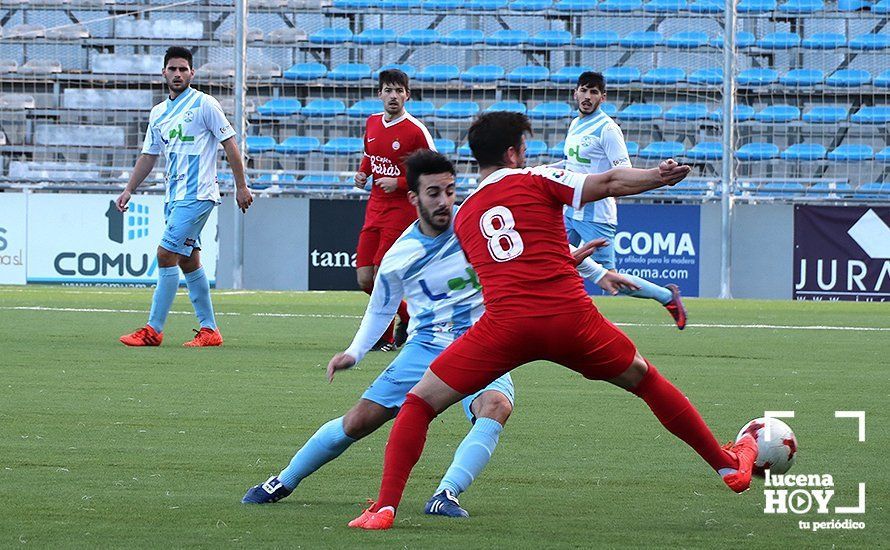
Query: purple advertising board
(842, 253)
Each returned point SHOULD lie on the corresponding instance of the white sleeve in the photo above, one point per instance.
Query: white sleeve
(565, 186)
(385, 300)
(590, 269)
(614, 147)
(151, 145)
(216, 120)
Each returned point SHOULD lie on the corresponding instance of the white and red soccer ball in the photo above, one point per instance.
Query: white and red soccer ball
(777, 454)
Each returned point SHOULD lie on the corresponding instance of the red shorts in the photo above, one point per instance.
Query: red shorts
(373, 242)
(583, 341)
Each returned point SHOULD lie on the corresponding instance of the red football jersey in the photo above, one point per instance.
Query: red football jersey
(512, 232)
(387, 143)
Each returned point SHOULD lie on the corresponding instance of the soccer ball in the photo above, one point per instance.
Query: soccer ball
(777, 454)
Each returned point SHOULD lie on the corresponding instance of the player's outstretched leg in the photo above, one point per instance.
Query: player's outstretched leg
(677, 414)
(668, 296)
(491, 409)
(162, 299)
(199, 294)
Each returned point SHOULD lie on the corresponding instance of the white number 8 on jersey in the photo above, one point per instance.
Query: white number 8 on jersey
(504, 242)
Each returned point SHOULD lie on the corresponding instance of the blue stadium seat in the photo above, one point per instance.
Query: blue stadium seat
(445, 146)
(306, 71)
(364, 108)
(466, 182)
(708, 76)
(551, 38)
(343, 146)
(664, 75)
(551, 110)
(743, 39)
(558, 150)
(464, 152)
(778, 113)
(398, 4)
(568, 74)
(438, 73)
(687, 40)
(825, 41)
(833, 188)
(707, 6)
(266, 180)
(741, 113)
(463, 37)
(323, 108)
(852, 152)
(330, 35)
(782, 188)
(853, 5)
(802, 6)
(507, 37)
(536, 148)
(260, 144)
(318, 180)
(280, 107)
(442, 5)
(883, 79)
(419, 37)
(353, 4)
(642, 39)
(662, 150)
(350, 72)
(483, 73)
(779, 41)
(609, 109)
(687, 111)
(375, 36)
(597, 39)
(882, 7)
(756, 6)
(511, 106)
(665, 6)
(757, 77)
(825, 114)
(803, 77)
(849, 78)
(883, 156)
(706, 150)
(870, 42)
(458, 109)
(528, 74)
(633, 148)
(486, 5)
(621, 75)
(574, 6)
(620, 5)
(298, 145)
(874, 190)
(757, 151)
(872, 115)
(407, 69)
(804, 151)
(641, 111)
(530, 5)
(420, 109)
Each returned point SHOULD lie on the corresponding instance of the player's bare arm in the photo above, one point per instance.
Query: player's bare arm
(144, 165)
(619, 182)
(242, 193)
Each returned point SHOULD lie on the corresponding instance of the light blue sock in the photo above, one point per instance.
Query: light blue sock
(199, 294)
(648, 290)
(471, 456)
(328, 443)
(162, 300)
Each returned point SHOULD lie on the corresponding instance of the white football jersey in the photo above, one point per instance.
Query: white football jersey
(188, 131)
(595, 144)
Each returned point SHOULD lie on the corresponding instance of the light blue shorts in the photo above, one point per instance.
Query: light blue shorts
(185, 220)
(391, 387)
(579, 230)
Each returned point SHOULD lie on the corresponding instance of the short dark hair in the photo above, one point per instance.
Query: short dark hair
(493, 133)
(392, 76)
(425, 161)
(178, 52)
(591, 79)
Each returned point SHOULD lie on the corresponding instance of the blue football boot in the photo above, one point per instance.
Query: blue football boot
(444, 503)
(266, 493)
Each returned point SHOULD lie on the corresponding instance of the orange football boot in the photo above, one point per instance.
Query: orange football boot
(374, 521)
(675, 306)
(146, 336)
(206, 337)
(745, 450)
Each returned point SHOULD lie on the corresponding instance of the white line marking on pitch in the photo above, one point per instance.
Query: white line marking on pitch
(331, 316)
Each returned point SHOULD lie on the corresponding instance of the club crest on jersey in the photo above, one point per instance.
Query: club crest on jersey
(396, 145)
(189, 116)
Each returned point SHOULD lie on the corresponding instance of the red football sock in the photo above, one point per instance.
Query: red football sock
(403, 312)
(403, 449)
(680, 417)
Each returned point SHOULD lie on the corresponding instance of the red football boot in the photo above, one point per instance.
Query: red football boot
(146, 336)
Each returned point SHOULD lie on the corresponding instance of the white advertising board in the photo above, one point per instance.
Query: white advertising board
(13, 238)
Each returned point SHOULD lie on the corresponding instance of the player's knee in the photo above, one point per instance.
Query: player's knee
(364, 419)
(494, 405)
(167, 258)
(635, 373)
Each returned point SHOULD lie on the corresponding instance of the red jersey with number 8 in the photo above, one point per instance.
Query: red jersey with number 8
(511, 230)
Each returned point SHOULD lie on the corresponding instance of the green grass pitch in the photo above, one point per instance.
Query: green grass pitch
(101, 445)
